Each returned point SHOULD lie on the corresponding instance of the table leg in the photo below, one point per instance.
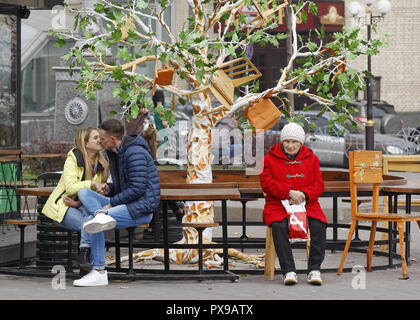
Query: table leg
(225, 236)
(117, 250)
(390, 233)
(165, 235)
(407, 228)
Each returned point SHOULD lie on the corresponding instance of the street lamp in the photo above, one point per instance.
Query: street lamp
(365, 16)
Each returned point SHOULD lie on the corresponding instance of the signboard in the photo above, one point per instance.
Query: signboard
(330, 14)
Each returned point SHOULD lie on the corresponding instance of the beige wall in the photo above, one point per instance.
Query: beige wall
(399, 64)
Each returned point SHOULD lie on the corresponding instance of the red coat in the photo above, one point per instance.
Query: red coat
(280, 175)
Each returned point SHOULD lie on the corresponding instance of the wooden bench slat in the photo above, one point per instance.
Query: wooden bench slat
(201, 225)
(18, 222)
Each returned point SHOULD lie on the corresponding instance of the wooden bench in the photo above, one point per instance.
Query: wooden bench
(229, 178)
(130, 231)
(200, 227)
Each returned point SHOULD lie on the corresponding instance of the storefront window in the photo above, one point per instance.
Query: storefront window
(38, 79)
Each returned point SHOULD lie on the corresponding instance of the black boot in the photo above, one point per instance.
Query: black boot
(84, 261)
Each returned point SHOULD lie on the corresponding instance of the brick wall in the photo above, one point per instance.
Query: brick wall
(399, 64)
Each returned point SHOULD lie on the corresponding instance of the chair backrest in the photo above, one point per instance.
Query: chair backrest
(365, 168)
(10, 166)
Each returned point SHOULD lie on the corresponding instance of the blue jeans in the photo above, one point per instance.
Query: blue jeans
(93, 201)
(74, 220)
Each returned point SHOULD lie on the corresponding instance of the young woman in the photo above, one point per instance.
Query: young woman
(85, 167)
(291, 172)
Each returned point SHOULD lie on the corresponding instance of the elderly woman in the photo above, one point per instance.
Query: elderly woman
(291, 172)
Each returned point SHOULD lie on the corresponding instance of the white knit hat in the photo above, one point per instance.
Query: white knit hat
(292, 131)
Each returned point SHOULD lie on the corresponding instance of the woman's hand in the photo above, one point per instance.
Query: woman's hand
(71, 203)
(296, 197)
(100, 188)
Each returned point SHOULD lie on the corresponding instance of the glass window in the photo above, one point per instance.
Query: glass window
(38, 78)
(8, 85)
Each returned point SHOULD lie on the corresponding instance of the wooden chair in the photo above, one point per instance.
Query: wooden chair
(21, 223)
(365, 167)
(10, 179)
(232, 74)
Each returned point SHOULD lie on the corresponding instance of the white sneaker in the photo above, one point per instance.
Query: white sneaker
(314, 277)
(290, 278)
(92, 279)
(101, 222)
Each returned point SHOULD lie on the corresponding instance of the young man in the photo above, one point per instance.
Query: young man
(129, 200)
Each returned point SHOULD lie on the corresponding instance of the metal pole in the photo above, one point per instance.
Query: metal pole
(370, 125)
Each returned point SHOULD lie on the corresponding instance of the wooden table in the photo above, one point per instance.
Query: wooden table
(409, 189)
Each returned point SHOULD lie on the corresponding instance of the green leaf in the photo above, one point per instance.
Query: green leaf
(60, 42)
(116, 35)
(124, 54)
(117, 73)
(142, 4)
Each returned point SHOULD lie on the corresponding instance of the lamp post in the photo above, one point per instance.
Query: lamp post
(365, 16)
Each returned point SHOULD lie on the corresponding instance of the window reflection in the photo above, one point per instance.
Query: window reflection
(8, 67)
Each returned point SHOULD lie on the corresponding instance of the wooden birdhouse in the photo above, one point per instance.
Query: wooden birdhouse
(163, 77)
(263, 114)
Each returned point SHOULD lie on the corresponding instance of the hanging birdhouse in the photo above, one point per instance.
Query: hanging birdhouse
(163, 77)
(230, 75)
(263, 114)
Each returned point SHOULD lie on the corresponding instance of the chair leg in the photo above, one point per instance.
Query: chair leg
(270, 255)
(400, 226)
(346, 248)
(370, 248)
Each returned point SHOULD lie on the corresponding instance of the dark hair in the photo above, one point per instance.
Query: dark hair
(113, 127)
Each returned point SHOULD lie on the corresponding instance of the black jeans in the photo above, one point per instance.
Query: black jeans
(280, 230)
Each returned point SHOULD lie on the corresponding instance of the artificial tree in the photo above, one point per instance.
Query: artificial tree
(208, 54)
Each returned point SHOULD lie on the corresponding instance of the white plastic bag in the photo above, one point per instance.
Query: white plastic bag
(298, 221)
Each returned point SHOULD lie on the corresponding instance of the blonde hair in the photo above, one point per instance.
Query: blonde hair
(80, 140)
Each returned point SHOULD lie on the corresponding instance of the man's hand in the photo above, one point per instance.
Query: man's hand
(108, 206)
(105, 189)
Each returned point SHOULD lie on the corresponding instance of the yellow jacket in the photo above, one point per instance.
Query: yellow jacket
(71, 182)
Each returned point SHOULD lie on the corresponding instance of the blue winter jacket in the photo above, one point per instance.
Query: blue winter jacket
(135, 181)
